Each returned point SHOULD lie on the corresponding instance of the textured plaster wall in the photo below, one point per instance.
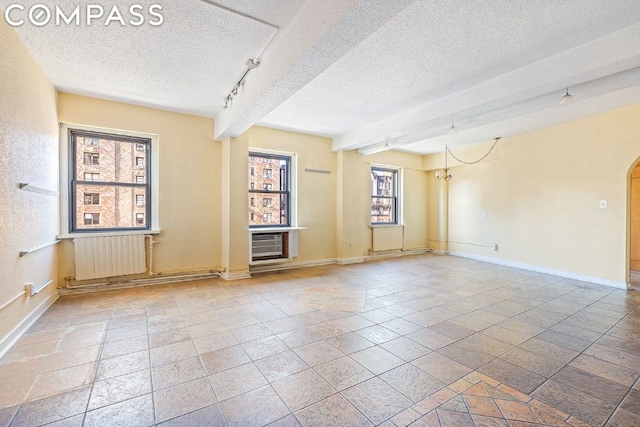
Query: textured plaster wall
(28, 154)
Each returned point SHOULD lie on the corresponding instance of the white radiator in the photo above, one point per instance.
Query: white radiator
(109, 256)
(387, 238)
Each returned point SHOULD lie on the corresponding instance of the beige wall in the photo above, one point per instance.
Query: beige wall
(316, 193)
(354, 201)
(333, 207)
(190, 183)
(541, 192)
(28, 154)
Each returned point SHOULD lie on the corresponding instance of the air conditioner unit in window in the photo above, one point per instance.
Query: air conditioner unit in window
(269, 247)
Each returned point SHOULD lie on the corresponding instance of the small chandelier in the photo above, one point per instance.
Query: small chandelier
(447, 174)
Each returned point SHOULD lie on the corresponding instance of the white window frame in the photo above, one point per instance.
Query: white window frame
(293, 188)
(63, 180)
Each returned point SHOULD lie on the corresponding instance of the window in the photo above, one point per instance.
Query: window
(91, 159)
(91, 198)
(384, 196)
(92, 219)
(115, 182)
(274, 198)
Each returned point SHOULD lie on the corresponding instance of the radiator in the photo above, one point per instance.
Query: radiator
(387, 238)
(109, 256)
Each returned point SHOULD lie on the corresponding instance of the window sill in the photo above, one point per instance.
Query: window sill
(107, 234)
(385, 225)
(274, 229)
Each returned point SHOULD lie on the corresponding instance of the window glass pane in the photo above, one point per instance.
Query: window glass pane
(112, 160)
(117, 206)
(268, 209)
(268, 183)
(383, 210)
(268, 173)
(91, 198)
(383, 196)
(382, 183)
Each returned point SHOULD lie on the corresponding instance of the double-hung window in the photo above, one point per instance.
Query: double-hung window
(109, 185)
(384, 196)
(270, 199)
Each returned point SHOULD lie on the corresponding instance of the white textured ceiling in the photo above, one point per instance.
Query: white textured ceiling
(363, 72)
(473, 64)
(187, 64)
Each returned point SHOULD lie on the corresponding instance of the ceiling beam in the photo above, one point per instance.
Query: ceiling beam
(321, 33)
(534, 87)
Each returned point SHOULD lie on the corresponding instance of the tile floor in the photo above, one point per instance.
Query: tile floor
(422, 340)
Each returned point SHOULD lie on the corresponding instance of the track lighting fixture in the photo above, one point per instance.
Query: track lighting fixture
(251, 65)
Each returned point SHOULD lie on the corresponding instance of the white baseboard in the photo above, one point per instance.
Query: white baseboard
(12, 337)
(538, 269)
(236, 276)
(347, 261)
(395, 253)
(158, 279)
(292, 265)
(340, 261)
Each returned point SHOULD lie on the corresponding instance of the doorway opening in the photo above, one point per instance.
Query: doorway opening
(634, 227)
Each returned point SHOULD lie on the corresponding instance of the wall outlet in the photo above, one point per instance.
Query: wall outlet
(603, 204)
(495, 247)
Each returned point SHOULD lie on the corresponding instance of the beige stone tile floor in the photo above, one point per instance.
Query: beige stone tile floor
(421, 340)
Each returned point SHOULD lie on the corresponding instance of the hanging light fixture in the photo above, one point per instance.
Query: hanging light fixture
(447, 174)
(452, 129)
(386, 147)
(567, 98)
